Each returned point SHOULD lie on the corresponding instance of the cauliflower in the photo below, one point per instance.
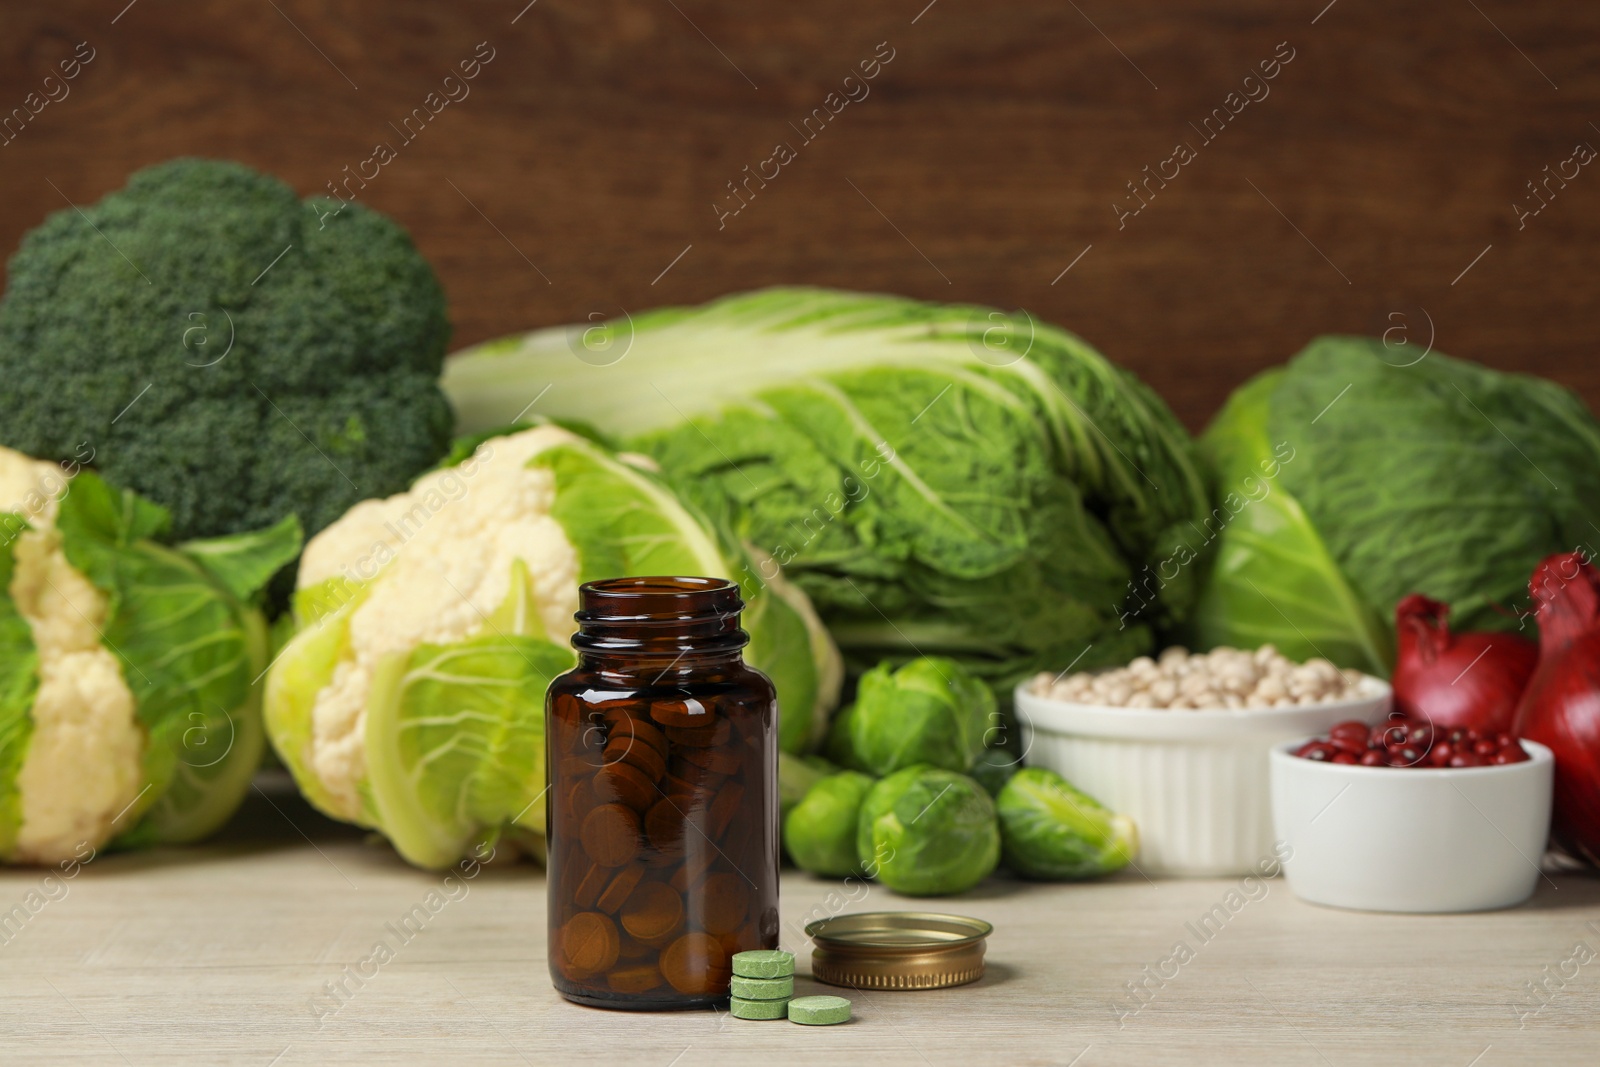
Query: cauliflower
(82, 767)
(86, 598)
(411, 698)
(460, 529)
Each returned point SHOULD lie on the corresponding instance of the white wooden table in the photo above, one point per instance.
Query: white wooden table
(224, 955)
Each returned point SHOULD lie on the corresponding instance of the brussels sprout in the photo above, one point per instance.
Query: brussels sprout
(820, 832)
(925, 831)
(796, 776)
(932, 710)
(1051, 830)
(840, 746)
(994, 769)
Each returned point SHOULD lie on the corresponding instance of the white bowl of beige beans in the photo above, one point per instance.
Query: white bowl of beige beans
(1180, 742)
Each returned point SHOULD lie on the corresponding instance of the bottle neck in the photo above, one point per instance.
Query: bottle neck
(663, 627)
(656, 670)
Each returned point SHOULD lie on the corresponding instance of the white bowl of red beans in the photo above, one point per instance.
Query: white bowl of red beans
(1407, 817)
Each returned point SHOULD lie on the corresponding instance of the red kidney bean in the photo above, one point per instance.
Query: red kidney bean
(1352, 731)
(1400, 743)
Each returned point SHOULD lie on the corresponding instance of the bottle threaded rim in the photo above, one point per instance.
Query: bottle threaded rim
(654, 614)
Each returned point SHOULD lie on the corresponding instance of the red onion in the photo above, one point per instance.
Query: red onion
(1561, 707)
(1470, 680)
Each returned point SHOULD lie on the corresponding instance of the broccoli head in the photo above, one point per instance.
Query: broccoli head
(225, 348)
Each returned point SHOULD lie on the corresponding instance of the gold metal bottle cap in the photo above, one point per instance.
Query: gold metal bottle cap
(897, 950)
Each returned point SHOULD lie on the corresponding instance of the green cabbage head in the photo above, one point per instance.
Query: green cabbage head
(411, 697)
(940, 479)
(1359, 473)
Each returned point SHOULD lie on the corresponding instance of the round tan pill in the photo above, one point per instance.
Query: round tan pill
(570, 867)
(696, 861)
(663, 824)
(589, 944)
(625, 784)
(590, 885)
(701, 736)
(635, 978)
(716, 760)
(694, 774)
(743, 839)
(696, 964)
(574, 802)
(684, 794)
(632, 948)
(620, 888)
(724, 901)
(686, 712)
(574, 767)
(724, 807)
(744, 939)
(642, 730)
(653, 912)
(610, 834)
(639, 754)
(615, 711)
(567, 716)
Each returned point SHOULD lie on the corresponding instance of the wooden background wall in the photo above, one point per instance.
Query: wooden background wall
(1385, 159)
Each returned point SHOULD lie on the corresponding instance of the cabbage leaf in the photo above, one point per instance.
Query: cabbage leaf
(19, 684)
(190, 648)
(455, 742)
(1273, 580)
(1439, 477)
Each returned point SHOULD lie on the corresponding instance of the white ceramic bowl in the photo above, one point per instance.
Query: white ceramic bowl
(1195, 781)
(1409, 838)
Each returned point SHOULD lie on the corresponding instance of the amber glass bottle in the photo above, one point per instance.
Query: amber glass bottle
(663, 811)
